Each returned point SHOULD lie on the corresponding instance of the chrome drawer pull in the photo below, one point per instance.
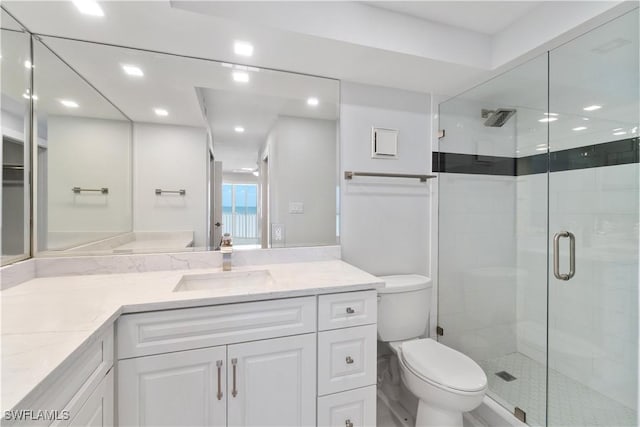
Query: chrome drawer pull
(219, 365)
(348, 423)
(349, 360)
(350, 310)
(234, 362)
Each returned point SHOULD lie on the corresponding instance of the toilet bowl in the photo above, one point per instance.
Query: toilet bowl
(445, 381)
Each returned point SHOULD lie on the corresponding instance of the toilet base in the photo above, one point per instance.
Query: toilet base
(431, 416)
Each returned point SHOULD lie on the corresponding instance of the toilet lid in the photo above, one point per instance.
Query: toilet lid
(443, 365)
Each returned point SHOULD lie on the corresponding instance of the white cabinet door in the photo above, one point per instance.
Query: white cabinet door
(272, 382)
(97, 411)
(185, 388)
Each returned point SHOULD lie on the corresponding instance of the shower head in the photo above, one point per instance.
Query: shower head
(498, 117)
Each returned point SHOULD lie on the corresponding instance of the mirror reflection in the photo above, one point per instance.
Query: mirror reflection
(14, 102)
(84, 159)
(187, 149)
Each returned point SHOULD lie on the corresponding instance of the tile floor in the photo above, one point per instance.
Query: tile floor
(575, 405)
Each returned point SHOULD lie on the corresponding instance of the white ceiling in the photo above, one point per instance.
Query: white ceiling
(487, 17)
(438, 47)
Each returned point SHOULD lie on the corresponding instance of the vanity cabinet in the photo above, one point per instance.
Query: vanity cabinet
(347, 340)
(290, 362)
(260, 382)
(81, 392)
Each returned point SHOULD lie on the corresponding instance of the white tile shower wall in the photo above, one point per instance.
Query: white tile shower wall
(477, 274)
(385, 222)
(531, 253)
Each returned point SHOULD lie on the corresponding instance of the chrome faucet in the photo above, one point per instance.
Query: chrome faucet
(226, 249)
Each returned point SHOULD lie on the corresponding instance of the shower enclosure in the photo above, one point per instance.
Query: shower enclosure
(538, 240)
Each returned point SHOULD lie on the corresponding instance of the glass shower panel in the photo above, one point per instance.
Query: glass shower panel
(492, 243)
(593, 199)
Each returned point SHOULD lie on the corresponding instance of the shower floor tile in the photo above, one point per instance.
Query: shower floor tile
(573, 403)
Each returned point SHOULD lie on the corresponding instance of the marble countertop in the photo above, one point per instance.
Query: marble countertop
(46, 320)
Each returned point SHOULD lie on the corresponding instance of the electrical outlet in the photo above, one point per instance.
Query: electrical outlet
(277, 232)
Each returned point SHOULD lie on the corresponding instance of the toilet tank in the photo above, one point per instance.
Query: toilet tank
(404, 305)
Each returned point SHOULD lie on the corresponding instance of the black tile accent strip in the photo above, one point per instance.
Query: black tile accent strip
(620, 152)
(612, 153)
(473, 164)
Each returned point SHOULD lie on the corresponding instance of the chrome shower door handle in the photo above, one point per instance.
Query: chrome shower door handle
(556, 255)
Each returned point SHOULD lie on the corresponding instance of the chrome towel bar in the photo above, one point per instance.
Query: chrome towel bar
(160, 192)
(422, 178)
(79, 190)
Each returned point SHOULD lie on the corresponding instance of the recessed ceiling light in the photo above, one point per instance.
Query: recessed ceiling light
(27, 64)
(240, 76)
(619, 133)
(69, 103)
(312, 101)
(617, 129)
(634, 130)
(550, 114)
(542, 148)
(579, 128)
(592, 107)
(89, 7)
(132, 70)
(585, 118)
(548, 119)
(161, 112)
(243, 48)
(239, 129)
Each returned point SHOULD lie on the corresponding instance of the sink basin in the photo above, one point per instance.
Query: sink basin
(233, 280)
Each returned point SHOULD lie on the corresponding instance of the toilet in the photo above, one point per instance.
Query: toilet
(445, 381)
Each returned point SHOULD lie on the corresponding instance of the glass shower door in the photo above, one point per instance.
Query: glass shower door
(593, 228)
(492, 233)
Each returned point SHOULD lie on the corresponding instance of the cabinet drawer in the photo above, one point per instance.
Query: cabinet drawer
(347, 359)
(356, 408)
(175, 330)
(347, 309)
(77, 378)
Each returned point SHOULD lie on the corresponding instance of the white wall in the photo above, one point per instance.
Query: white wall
(170, 158)
(385, 223)
(302, 168)
(88, 153)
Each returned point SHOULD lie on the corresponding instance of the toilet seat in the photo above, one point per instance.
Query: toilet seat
(443, 366)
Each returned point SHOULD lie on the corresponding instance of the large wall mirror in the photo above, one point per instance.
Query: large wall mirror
(141, 151)
(15, 154)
